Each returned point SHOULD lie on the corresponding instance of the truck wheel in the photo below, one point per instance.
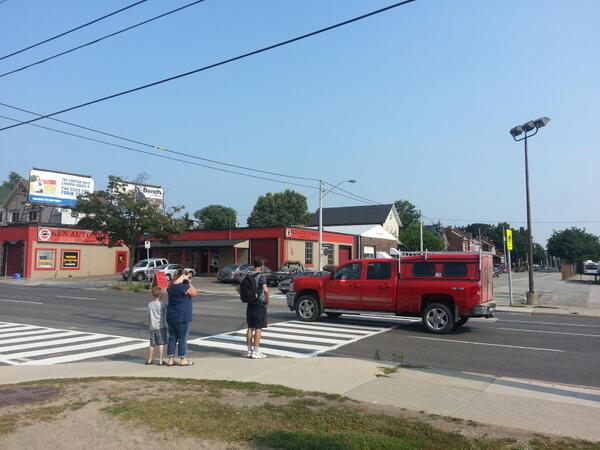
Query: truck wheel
(307, 309)
(139, 276)
(437, 318)
(460, 322)
(333, 315)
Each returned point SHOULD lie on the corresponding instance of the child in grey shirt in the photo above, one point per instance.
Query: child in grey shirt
(157, 313)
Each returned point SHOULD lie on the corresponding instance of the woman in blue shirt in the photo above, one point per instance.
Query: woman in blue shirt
(179, 317)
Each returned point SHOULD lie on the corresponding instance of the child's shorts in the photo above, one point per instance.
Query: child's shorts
(158, 337)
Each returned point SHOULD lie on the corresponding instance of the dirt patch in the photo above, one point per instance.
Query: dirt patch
(161, 413)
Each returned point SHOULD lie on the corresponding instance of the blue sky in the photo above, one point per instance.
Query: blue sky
(414, 104)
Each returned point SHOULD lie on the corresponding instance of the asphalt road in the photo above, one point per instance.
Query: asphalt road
(541, 346)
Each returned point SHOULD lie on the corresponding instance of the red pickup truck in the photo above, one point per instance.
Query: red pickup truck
(443, 288)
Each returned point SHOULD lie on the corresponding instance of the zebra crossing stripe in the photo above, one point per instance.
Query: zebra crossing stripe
(242, 347)
(68, 348)
(86, 355)
(331, 328)
(45, 336)
(281, 327)
(275, 342)
(272, 332)
(89, 337)
(27, 333)
(17, 328)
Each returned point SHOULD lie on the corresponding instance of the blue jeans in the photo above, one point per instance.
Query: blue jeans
(178, 334)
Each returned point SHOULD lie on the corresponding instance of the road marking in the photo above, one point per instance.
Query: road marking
(19, 301)
(22, 347)
(293, 339)
(75, 298)
(486, 343)
(550, 323)
(549, 332)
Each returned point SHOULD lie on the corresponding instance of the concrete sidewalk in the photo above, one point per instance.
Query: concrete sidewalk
(534, 406)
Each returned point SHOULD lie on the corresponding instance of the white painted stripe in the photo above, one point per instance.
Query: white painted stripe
(50, 343)
(326, 327)
(28, 333)
(550, 323)
(243, 347)
(19, 301)
(281, 327)
(17, 328)
(295, 345)
(87, 355)
(268, 333)
(486, 343)
(39, 338)
(75, 298)
(68, 348)
(6, 325)
(549, 332)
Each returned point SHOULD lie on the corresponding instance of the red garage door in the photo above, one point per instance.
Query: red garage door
(345, 254)
(268, 249)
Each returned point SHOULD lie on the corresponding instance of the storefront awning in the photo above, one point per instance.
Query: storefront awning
(236, 243)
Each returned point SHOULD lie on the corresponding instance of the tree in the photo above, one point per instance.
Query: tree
(216, 217)
(280, 208)
(12, 180)
(118, 217)
(410, 239)
(539, 254)
(408, 212)
(574, 245)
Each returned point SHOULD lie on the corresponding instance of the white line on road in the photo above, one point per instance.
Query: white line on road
(9, 348)
(39, 338)
(75, 298)
(68, 348)
(488, 344)
(19, 301)
(87, 355)
(549, 332)
(550, 323)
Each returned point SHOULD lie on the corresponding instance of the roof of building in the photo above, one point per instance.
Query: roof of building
(4, 193)
(353, 215)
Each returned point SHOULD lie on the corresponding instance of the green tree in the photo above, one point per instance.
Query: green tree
(280, 208)
(574, 245)
(539, 254)
(119, 217)
(12, 180)
(216, 217)
(408, 212)
(410, 239)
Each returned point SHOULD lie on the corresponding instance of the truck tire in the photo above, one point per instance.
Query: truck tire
(307, 308)
(333, 315)
(437, 318)
(460, 322)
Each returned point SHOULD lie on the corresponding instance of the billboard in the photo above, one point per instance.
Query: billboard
(154, 194)
(47, 187)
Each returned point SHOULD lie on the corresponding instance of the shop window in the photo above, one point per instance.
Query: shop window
(14, 216)
(45, 259)
(328, 250)
(423, 269)
(308, 253)
(1, 216)
(32, 216)
(369, 251)
(379, 271)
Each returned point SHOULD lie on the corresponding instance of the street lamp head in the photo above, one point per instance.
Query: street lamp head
(516, 131)
(528, 126)
(351, 181)
(541, 122)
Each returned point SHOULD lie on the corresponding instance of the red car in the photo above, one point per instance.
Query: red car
(445, 289)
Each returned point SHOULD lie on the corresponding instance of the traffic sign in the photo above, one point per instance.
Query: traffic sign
(146, 245)
(509, 243)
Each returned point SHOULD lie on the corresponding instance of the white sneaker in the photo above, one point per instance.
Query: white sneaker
(258, 355)
(247, 354)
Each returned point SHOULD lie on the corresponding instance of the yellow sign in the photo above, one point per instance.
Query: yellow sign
(509, 245)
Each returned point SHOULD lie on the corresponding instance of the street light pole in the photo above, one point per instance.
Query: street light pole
(533, 125)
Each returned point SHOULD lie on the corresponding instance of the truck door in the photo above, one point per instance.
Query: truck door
(378, 287)
(343, 290)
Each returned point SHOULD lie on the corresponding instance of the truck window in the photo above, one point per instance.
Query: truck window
(423, 269)
(454, 269)
(348, 272)
(379, 271)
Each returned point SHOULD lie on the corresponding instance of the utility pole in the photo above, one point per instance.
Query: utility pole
(320, 224)
(421, 229)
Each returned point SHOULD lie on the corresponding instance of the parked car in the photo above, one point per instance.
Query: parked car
(225, 275)
(288, 270)
(445, 289)
(169, 270)
(142, 268)
(285, 286)
(245, 269)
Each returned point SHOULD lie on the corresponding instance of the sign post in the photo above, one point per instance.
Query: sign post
(509, 247)
(147, 247)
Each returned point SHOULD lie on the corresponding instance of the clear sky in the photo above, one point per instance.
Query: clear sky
(414, 104)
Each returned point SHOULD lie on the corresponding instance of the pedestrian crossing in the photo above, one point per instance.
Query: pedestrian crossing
(23, 344)
(295, 339)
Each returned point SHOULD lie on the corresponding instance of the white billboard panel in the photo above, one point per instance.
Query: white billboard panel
(47, 187)
(154, 194)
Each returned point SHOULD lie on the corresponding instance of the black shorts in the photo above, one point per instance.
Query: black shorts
(256, 316)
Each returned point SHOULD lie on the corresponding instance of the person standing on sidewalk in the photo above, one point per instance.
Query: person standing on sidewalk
(158, 326)
(179, 317)
(256, 311)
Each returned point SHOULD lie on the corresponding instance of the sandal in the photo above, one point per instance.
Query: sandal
(189, 363)
(149, 363)
(175, 363)
(162, 363)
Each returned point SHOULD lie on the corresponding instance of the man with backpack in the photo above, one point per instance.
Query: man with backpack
(255, 293)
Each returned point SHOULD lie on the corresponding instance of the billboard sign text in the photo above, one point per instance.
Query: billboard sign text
(56, 188)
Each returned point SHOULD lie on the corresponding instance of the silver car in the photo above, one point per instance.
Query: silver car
(226, 274)
(143, 267)
(285, 286)
(170, 270)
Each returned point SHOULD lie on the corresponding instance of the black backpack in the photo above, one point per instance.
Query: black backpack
(248, 288)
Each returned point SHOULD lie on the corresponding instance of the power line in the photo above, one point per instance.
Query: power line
(510, 221)
(125, 147)
(158, 147)
(71, 30)
(355, 195)
(95, 41)
(211, 66)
